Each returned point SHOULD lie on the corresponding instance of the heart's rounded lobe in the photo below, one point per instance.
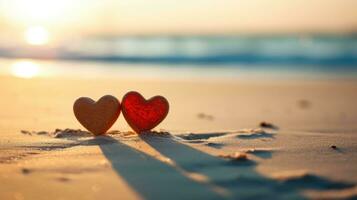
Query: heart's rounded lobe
(97, 117)
(143, 115)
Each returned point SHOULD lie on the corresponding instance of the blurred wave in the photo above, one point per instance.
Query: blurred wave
(323, 50)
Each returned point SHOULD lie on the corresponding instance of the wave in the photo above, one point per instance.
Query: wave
(334, 50)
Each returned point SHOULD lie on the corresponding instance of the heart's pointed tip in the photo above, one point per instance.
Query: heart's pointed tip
(144, 132)
(99, 134)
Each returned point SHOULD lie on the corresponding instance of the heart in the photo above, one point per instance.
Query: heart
(143, 115)
(97, 117)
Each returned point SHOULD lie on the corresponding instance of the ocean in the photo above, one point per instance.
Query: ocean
(200, 55)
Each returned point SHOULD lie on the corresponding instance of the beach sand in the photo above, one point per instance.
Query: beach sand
(213, 144)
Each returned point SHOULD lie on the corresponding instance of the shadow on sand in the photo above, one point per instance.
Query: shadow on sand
(153, 179)
(239, 178)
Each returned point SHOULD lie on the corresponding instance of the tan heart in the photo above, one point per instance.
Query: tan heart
(97, 117)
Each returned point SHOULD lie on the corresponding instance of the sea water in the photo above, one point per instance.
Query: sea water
(229, 56)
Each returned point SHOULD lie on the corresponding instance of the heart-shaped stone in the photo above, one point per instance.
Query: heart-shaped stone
(143, 115)
(97, 117)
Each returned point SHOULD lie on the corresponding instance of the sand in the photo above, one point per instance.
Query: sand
(213, 144)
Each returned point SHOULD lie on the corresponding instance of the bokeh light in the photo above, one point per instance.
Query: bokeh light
(25, 69)
(37, 35)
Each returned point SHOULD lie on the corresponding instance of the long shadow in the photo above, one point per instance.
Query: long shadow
(149, 177)
(239, 177)
(153, 179)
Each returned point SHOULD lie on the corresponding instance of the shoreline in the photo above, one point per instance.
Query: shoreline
(152, 72)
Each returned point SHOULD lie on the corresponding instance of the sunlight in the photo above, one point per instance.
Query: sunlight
(35, 11)
(25, 69)
(36, 35)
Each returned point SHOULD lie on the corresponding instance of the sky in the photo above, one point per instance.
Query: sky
(139, 17)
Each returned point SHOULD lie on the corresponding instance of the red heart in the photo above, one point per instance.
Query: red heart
(141, 114)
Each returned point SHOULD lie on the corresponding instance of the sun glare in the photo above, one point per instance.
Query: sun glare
(37, 11)
(25, 69)
(37, 35)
